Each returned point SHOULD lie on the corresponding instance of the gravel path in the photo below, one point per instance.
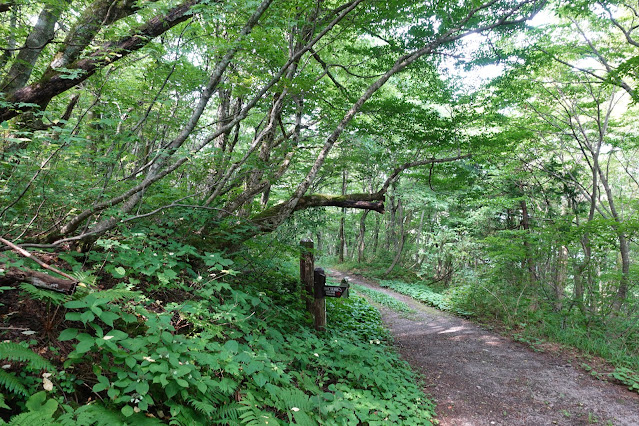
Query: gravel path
(478, 377)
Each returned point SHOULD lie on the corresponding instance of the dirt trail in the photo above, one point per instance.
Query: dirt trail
(478, 377)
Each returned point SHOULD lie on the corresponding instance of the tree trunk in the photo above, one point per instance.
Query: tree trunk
(561, 273)
(378, 221)
(402, 238)
(362, 235)
(525, 224)
(342, 221)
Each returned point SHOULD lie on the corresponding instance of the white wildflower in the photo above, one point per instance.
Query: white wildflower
(295, 409)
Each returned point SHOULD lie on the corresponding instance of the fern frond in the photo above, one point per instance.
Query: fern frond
(188, 417)
(45, 295)
(204, 407)
(97, 414)
(32, 418)
(229, 412)
(115, 294)
(3, 403)
(12, 383)
(84, 277)
(15, 352)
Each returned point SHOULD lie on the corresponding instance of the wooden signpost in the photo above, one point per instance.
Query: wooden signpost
(314, 285)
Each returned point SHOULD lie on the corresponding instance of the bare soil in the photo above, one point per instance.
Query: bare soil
(478, 377)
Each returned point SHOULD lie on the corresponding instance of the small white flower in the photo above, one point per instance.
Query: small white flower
(295, 409)
(148, 358)
(171, 254)
(108, 337)
(316, 354)
(136, 409)
(155, 254)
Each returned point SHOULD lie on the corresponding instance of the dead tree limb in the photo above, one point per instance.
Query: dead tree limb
(39, 279)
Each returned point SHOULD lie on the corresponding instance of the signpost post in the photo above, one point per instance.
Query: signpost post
(314, 304)
(314, 288)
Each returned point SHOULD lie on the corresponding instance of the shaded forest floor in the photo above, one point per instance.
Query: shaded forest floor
(478, 377)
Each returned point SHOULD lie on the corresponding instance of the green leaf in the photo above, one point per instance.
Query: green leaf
(109, 317)
(142, 388)
(68, 334)
(231, 346)
(118, 272)
(84, 346)
(39, 403)
(76, 304)
(260, 379)
(127, 411)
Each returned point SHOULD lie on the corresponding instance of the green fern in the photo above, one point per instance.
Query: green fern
(204, 407)
(188, 417)
(85, 278)
(15, 352)
(229, 412)
(12, 383)
(45, 295)
(97, 414)
(116, 293)
(3, 404)
(31, 418)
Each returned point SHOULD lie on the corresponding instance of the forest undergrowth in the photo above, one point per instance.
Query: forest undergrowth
(162, 332)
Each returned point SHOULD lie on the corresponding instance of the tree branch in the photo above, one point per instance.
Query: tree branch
(54, 83)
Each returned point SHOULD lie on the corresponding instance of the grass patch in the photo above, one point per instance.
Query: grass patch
(425, 294)
(383, 299)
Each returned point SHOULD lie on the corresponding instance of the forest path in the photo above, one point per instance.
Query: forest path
(478, 377)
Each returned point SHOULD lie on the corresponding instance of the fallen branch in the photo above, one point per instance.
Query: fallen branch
(39, 279)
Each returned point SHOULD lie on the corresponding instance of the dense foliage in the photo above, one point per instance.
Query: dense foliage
(204, 350)
(158, 155)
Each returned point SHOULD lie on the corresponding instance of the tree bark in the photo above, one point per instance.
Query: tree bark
(342, 222)
(41, 35)
(38, 279)
(54, 83)
(362, 235)
(525, 224)
(373, 202)
(402, 239)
